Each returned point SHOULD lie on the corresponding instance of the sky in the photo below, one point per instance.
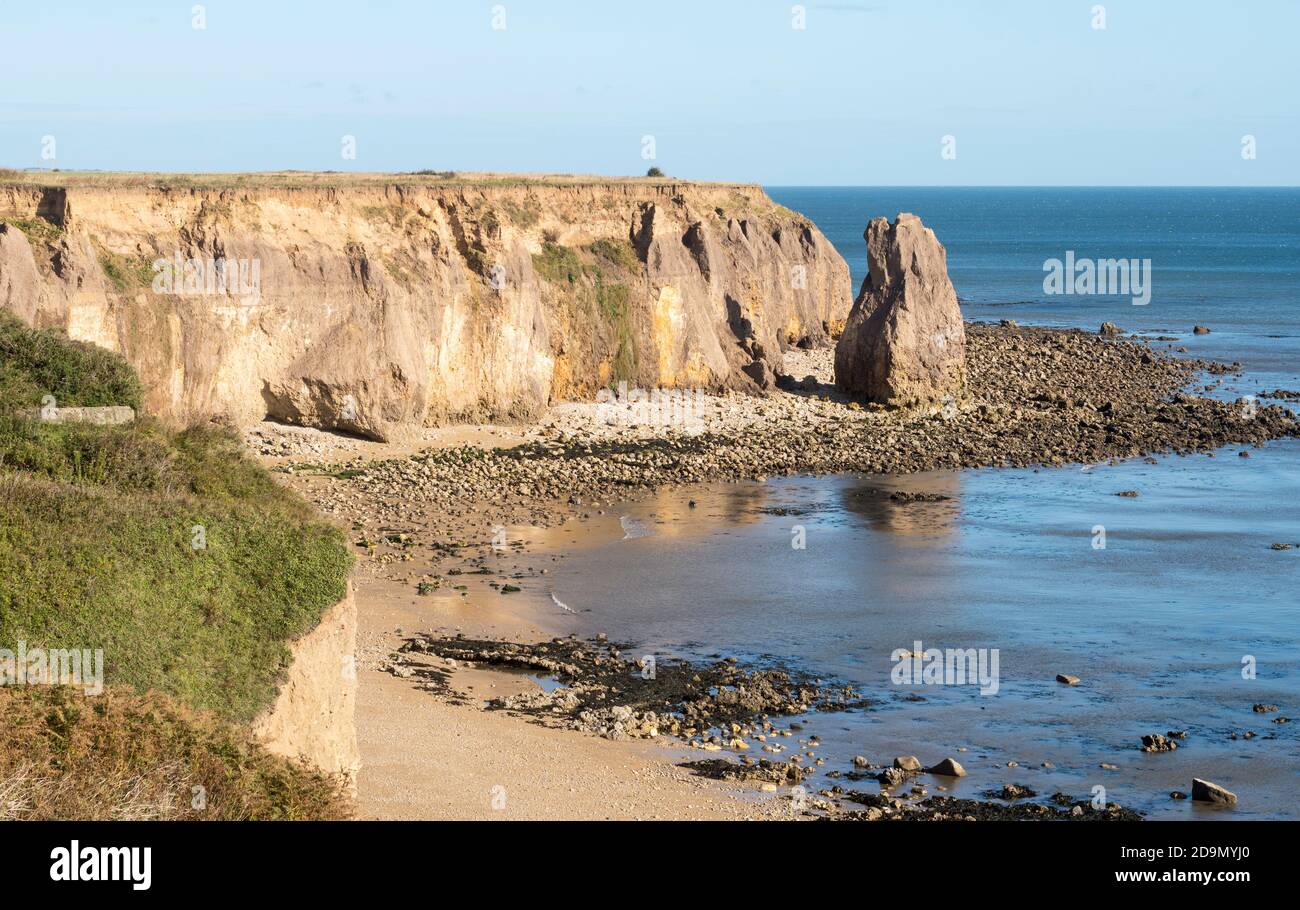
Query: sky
(844, 92)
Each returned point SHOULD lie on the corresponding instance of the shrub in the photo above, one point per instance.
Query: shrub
(39, 362)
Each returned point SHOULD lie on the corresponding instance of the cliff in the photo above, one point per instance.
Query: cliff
(371, 304)
(313, 718)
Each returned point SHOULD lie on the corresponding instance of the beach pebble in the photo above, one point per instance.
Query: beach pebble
(1067, 679)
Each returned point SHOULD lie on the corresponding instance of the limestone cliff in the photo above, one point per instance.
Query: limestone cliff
(378, 304)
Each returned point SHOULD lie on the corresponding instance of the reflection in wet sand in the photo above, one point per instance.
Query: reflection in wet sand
(915, 505)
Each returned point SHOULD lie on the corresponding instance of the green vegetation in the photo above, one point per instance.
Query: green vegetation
(127, 757)
(38, 230)
(185, 562)
(654, 172)
(620, 253)
(180, 558)
(588, 282)
(612, 300)
(36, 363)
(558, 263)
(128, 273)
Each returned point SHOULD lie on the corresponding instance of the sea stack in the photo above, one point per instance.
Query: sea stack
(904, 344)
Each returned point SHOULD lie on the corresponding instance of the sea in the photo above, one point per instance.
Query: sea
(1172, 608)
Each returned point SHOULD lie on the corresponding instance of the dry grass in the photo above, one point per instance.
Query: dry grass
(328, 179)
(127, 757)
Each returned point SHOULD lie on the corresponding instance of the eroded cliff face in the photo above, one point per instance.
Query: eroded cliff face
(313, 719)
(372, 308)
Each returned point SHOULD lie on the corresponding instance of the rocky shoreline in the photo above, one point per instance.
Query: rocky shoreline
(723, 707)
(1037, 397)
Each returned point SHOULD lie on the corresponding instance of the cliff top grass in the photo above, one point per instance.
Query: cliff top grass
(180, 558)
(332, 180)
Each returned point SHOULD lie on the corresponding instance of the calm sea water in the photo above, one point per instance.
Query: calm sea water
(1157, 624)
(1225, 258)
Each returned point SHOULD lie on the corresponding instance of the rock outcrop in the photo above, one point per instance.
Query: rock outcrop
(373, 305)
(313, 719)
(904, 344)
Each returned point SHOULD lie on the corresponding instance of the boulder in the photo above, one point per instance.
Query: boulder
(949, 767)
(904, 344)
(1208, 792)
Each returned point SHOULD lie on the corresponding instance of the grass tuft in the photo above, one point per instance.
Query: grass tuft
(557, 263)
(123, 756)
(127, 273)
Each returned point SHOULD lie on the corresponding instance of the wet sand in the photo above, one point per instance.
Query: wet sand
(425, 757)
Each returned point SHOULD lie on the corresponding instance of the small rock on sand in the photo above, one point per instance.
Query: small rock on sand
(1205, 791)
(907, 763)
(1156, 742)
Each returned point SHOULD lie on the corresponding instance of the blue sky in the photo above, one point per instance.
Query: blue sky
(863, 95)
